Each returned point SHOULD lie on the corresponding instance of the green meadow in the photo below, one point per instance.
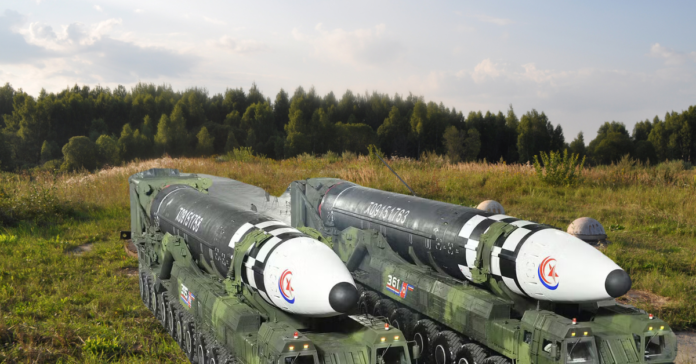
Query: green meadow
(69, 292)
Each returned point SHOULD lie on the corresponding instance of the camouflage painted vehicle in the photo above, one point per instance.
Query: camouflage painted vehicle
(219, 317)
(478, 319)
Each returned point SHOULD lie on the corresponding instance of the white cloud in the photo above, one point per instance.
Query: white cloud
(98, 8)
(671, 56)
(83, 52)
(214, 21)
(71, 36)
(138, 11)
(492, 20)
(485, 69)
(361, 47)
(239, 45)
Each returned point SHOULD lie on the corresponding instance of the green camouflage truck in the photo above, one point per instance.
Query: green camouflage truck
(470, 286)
(200, 276)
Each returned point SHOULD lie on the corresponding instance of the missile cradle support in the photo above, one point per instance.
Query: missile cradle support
(227, 285)
(467, 285)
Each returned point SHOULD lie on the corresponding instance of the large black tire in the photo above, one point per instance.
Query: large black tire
(367, 301)
(384, 308)
(496, 360)
(445, 346)
(423, 333)
(213, 354)
(164, 309)
(146, 288)
(180, 330)
(172, 318)
(154, 304)
(477, 353)
(202, 350)
(404, 320)
(143, 288)
(189, 340)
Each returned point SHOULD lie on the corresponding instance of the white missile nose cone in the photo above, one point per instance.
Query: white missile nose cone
(618, 283)
(555, 266)
(317, 283)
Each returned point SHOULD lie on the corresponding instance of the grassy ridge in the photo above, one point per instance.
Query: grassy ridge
(65, 307)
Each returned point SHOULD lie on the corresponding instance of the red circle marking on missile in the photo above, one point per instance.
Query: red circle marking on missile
(285, 286)
(544, 273)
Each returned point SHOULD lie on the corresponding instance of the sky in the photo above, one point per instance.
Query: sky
(582, 63)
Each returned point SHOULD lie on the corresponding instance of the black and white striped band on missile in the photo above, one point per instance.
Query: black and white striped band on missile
(254, 260)
(504, 253)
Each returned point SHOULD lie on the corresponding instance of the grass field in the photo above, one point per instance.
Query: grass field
(68, 292)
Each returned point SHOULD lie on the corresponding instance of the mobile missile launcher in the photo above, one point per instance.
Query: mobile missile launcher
(471, 286)
(233, 285)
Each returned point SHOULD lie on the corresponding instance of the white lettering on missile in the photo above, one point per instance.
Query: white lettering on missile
(189, 219)
(387, 213)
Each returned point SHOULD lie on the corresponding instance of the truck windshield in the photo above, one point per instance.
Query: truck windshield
(581, 350)
(302, 359)
(391, 355)
(654, 347)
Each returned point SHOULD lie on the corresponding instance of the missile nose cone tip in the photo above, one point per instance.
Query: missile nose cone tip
(618, 283)
(343, 297)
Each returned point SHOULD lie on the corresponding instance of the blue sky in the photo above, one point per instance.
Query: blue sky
(582, 63)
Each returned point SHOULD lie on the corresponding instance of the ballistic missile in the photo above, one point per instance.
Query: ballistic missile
(532, 260)
(290, 270)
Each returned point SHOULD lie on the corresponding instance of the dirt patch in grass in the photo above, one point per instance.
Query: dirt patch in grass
(131, 250)
(128, 271)
(80, 249)
(636, 297)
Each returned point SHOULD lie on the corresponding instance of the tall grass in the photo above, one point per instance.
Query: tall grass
(74, 308)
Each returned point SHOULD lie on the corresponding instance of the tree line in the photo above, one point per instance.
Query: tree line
(91, 127)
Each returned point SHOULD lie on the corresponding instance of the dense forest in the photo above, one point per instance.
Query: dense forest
(92, 127)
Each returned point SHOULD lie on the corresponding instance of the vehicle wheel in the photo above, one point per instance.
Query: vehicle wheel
(367, 301)
(180, 331)
(383, 308)
(146, 289)
(404, 320)
(423, 333)
(143, 288)
(189, 342)
(477, 352)
(164, 309)
(154, 305)
(171, 320)
(496, 359)
(202, 350)
(213, 355)
(445, 346)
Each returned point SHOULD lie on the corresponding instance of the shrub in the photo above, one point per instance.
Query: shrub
(242, 154)
(558, 169)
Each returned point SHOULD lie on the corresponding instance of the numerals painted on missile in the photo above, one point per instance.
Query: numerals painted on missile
(387, 213)
(189, 219)
(395, 286)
